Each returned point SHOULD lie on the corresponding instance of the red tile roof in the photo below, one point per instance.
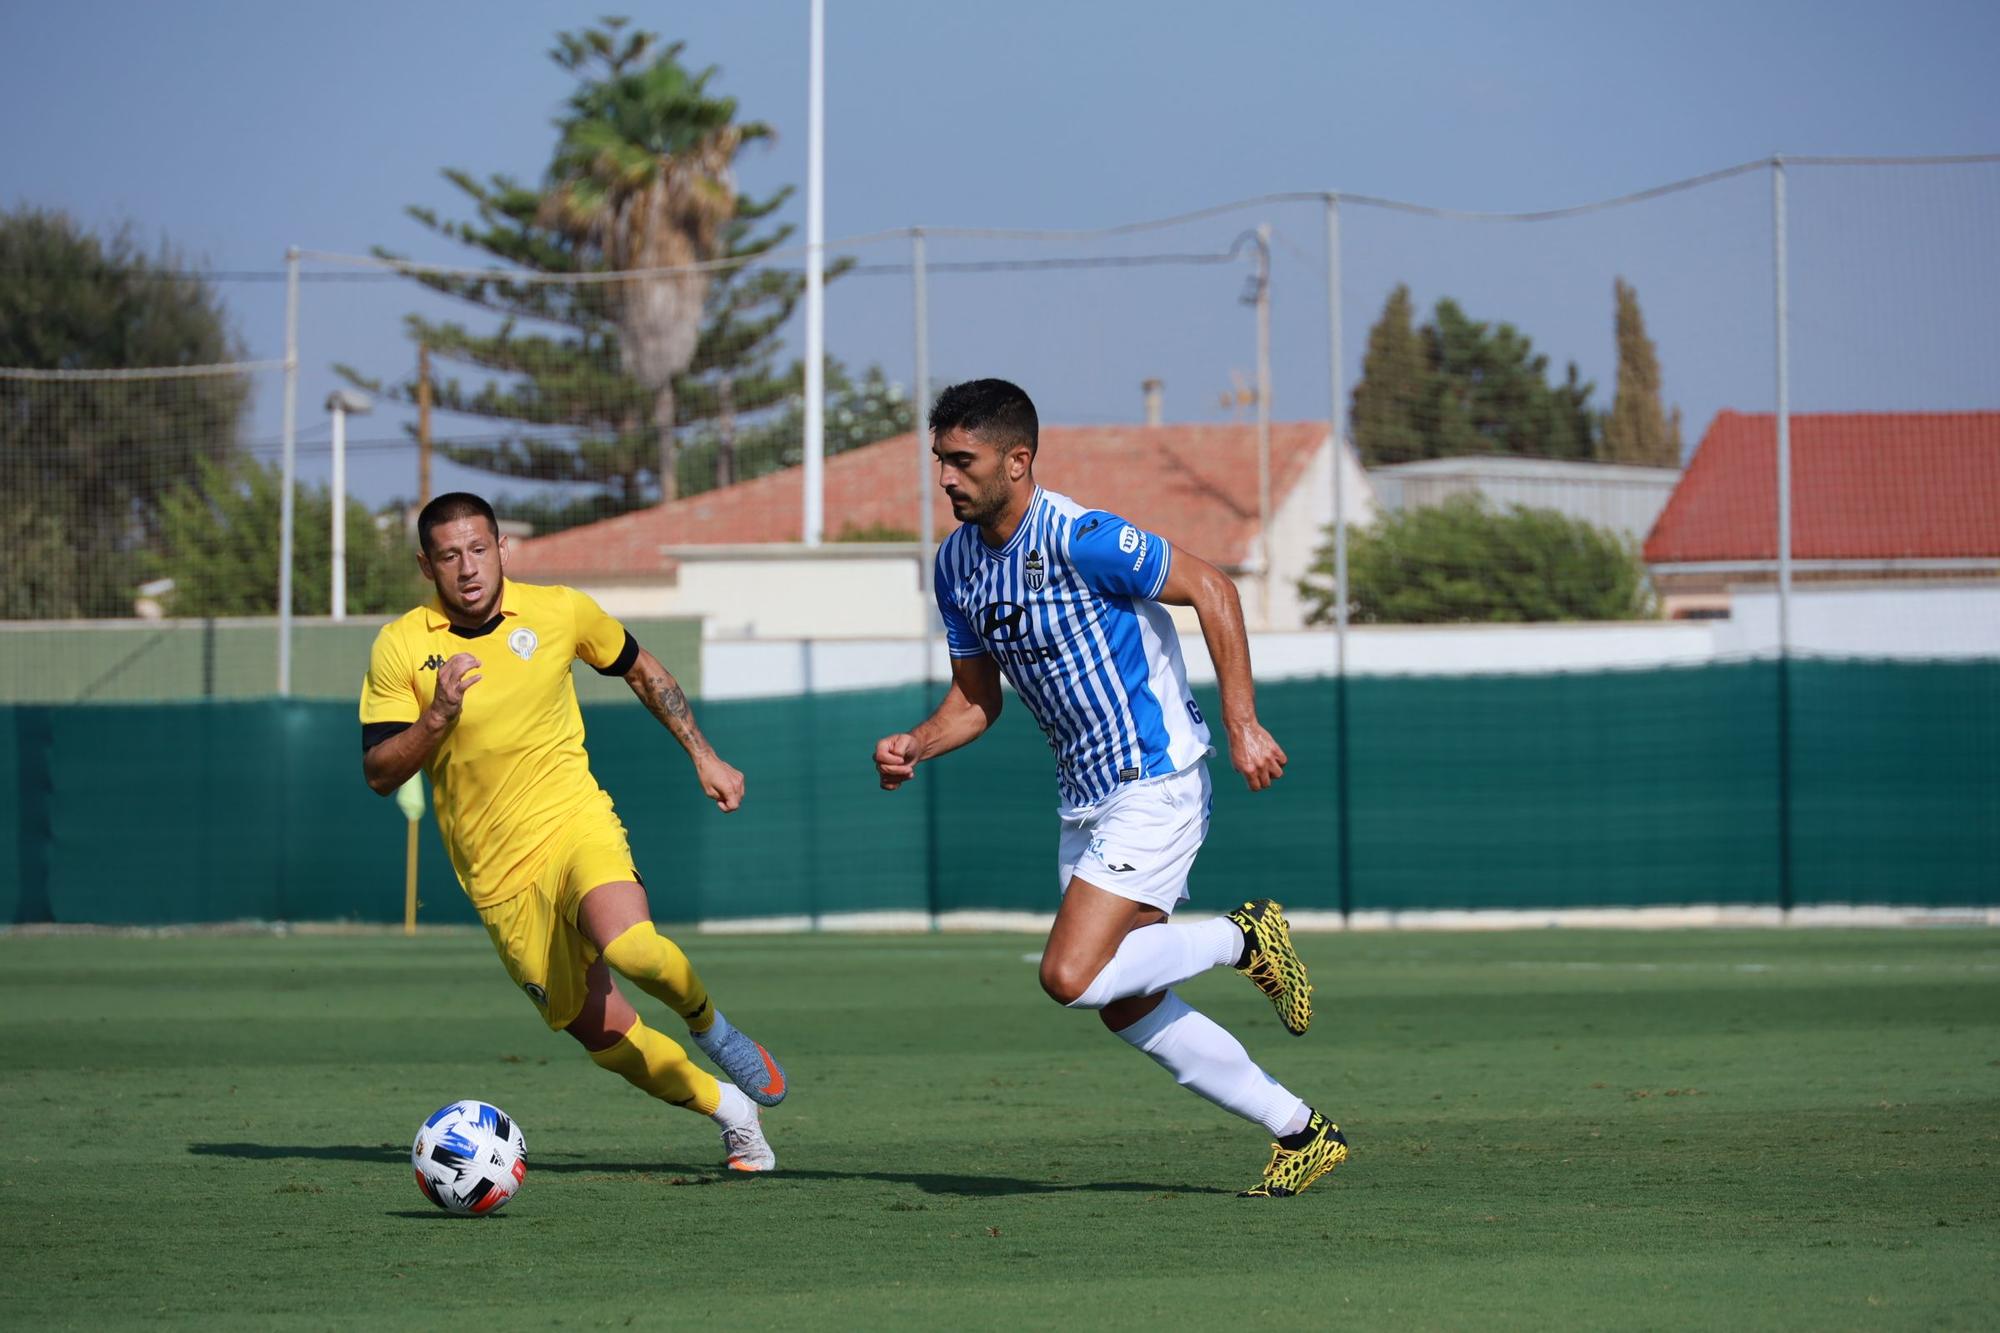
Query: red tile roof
(1865, 486)
(1195, 485)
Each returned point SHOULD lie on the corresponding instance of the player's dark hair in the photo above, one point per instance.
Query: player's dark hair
(450, 506)
(999, 413)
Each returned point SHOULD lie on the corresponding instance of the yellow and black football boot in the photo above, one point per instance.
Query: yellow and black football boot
(1273, 965)
(1297, 1160)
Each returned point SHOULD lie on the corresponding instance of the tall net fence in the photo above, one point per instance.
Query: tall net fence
(1520, 394)
(1738, 423)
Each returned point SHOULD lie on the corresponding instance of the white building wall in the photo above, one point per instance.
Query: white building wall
(785, 593)
(1623, 498)
(1902, 619)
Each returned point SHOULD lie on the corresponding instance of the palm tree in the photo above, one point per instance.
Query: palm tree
(642, 182)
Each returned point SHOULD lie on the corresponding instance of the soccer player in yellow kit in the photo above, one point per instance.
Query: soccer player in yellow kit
(475, 689)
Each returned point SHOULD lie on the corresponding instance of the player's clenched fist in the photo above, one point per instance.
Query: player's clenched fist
(455, 677)
(896, 759)
(1255, 753)
(722, 782)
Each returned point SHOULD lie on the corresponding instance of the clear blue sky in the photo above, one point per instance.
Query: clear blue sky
(233, 130)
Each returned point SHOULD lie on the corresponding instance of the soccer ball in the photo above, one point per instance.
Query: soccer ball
(470, 1158)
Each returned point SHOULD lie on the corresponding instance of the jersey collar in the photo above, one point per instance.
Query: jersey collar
(1020, 532)
(435, 619)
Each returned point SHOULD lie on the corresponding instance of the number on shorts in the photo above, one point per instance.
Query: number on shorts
(1194, 711)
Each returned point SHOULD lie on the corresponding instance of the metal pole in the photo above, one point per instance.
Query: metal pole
(1343, 864)
(1782, 300)
(1264, 418)
(926, 528)
(337, 596)
(1339, 446)
(815, 440)
(285, 498)
(926, 534)
(1784, 414)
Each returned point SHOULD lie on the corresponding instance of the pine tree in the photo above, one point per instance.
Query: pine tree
(1638, 430)
(1458, 386)
(567, 384)
(1394, 375)
(1490, 393)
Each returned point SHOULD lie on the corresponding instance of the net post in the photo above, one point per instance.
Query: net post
(286, 500)
(1781, 302)
(1342, 865)
(926, 538)
(815, 405)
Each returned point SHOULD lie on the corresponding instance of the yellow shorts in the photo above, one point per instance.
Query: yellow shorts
(535, 931)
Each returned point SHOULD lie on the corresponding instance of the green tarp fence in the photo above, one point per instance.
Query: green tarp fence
(1864, 782)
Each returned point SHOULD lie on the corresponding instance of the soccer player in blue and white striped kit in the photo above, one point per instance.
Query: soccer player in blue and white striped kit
(1066, 602)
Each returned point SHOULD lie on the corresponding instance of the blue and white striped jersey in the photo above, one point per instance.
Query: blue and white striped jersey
(1066, 608)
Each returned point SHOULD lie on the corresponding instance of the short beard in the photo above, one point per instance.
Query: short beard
(986, 507)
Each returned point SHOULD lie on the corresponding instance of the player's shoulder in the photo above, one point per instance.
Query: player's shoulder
(1089, 528)
(409, 627)
(531, 597)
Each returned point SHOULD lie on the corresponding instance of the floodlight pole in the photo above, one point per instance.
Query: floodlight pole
(815, 426)
(286, 515)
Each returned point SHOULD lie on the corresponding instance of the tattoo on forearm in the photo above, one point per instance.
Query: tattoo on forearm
(662, 694)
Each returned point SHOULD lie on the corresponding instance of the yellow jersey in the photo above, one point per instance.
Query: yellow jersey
(512, 772)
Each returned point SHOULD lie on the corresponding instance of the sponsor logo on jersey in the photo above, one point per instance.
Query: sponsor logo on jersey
(1003, 622)
(523, 642)
(537, 994)
(432, 663)
(1128, 539)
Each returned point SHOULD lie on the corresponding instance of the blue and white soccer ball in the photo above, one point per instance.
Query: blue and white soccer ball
(469, 1158)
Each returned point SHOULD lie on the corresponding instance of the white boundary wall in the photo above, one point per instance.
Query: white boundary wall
(1693, 917)
(1903, 620)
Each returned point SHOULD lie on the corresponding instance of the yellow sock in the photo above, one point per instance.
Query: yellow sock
(656, 965)
(657, 1066)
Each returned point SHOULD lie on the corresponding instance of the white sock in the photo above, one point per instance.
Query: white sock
(734, 1108)
(1152, 958)
(1205, 1059)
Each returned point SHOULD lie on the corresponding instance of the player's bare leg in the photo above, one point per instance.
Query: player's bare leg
(617, 918)
(618, 1040)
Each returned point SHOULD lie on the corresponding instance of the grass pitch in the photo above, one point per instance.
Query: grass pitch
(1754, 1129)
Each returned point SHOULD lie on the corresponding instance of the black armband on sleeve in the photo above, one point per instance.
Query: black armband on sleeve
(374, 733)
(626, 657)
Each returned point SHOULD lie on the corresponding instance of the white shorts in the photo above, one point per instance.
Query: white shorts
(1140, 842)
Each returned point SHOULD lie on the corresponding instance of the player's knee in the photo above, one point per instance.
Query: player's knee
(1065, 980)
(641, 952)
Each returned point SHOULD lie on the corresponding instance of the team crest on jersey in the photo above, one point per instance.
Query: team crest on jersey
(523, 642)
(1037, 572)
